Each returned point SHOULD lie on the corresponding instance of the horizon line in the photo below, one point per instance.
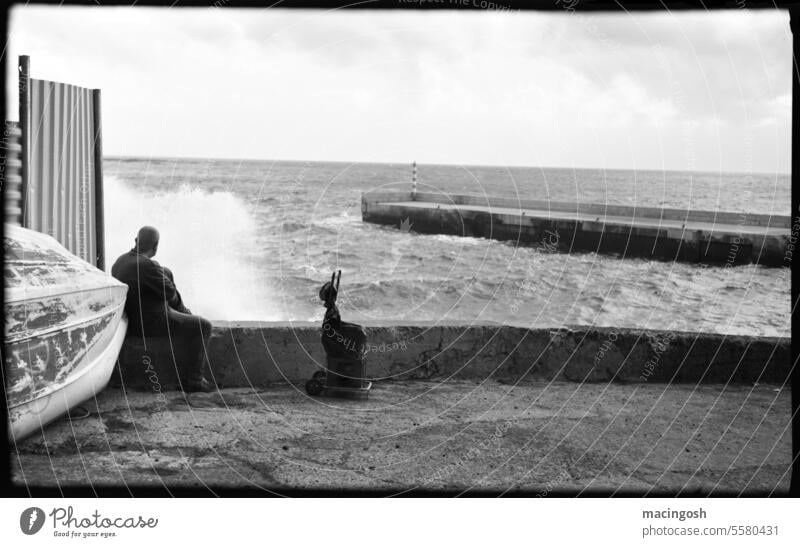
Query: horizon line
(721, 171)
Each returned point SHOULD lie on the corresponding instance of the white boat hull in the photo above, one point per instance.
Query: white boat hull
(64, 327)
(32, 416)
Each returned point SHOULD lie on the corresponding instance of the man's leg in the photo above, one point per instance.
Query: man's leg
(194, 332)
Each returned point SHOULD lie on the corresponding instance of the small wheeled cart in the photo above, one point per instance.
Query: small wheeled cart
(345, 346)
(342, 378)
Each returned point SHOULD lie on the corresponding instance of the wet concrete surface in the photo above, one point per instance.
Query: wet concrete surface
(540, 438)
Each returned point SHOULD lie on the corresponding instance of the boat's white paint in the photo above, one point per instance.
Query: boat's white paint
(64, 328)
(32, 416)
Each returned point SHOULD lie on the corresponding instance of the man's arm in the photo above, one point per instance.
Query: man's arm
(153, 278)
(177, 302)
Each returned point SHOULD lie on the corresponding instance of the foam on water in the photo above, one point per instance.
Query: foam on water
(241, 250)
(204, 236)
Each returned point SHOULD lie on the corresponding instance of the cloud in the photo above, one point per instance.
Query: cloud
(506, 88)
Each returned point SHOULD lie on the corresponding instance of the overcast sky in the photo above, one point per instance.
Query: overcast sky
(676, 91)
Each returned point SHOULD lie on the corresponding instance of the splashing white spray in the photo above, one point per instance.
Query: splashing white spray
(203, 239)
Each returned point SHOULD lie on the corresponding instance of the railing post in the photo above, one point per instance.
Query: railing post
(12, 187)
(99, 207)
(24, 69)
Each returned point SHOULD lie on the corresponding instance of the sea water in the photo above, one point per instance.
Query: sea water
(254, 240)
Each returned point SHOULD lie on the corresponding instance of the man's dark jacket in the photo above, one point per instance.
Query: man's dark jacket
(151, 291)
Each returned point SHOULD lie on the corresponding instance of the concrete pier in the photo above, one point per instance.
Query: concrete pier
(456, 407)
(665, 234)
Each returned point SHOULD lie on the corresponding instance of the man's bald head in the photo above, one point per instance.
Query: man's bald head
(147, 241)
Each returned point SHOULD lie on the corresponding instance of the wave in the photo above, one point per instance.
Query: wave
(204, 236)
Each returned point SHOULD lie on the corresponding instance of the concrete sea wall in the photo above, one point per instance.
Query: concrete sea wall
(601, 209)
(259, 354)
(666, 234)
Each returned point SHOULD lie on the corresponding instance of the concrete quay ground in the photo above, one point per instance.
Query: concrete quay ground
(538, 437)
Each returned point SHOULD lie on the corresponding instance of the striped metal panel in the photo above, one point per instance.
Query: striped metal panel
(60, 191)
(12, 193)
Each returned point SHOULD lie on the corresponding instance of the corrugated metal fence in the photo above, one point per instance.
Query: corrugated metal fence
(61, 190)
(60, 194)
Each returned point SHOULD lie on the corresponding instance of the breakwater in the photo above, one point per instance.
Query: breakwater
(643, 232)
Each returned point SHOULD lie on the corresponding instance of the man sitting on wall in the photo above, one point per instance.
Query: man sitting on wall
(155, 308)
